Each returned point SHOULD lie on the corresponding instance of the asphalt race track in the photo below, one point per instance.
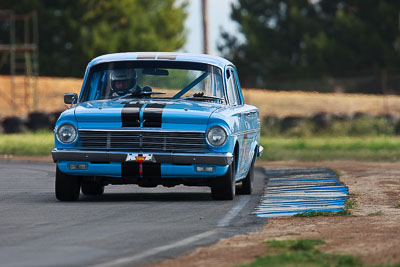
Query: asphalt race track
(127, 226)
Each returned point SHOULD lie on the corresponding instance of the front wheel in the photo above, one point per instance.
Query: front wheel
(67, 186)
(224, 188)
(247, 183)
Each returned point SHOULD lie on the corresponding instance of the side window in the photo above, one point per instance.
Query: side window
(236, 83)
(231, 88)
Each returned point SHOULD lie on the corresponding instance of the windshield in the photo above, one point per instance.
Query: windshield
(154, 79)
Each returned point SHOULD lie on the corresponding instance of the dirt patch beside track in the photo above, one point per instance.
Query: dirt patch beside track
(372, 232)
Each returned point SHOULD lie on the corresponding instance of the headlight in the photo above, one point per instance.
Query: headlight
(216, 136)
(66, 133)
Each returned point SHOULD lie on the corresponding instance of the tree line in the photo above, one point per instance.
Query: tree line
(71, 33)
(301, 39)
(285, 40)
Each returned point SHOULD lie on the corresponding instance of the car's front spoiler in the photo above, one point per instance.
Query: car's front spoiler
(177, 158)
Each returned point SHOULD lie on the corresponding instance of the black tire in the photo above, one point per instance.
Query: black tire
(67, 186)
(92, 188)
(247, 183)
(224, 188)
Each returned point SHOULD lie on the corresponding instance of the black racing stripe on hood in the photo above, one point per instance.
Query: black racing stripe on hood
(130, 115)
(152, 115)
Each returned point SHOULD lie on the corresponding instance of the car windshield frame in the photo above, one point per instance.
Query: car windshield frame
(207, 69)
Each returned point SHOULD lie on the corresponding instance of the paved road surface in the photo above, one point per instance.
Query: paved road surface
(127, 226)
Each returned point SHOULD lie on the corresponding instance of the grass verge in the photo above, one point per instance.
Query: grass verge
(349, 204)
(27, 144)
(302, 253)
(378, 213)
(379, 148)
(275, 148)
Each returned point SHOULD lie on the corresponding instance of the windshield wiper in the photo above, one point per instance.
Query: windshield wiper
(138, 95)
(203, 98)
(120, 97)
(142, 94)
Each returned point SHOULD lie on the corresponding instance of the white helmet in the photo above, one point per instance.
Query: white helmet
(123, 81)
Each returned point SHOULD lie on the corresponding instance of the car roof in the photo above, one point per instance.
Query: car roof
(164, 56)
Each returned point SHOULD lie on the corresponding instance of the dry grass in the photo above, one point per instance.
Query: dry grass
(51, 90)
(50, 93)
(287, 103)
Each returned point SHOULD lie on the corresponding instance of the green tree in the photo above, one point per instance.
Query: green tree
(291, 39)
(73, 32)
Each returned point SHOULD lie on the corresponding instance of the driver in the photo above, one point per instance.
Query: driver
(124, 81)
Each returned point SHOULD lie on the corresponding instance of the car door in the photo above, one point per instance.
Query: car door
(240, 125)
(251, 123)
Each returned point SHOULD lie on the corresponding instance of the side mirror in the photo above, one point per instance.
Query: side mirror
(70, 98)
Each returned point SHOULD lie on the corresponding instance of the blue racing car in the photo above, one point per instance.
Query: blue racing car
(157, 119)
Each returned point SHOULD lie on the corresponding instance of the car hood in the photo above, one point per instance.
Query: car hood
(152, 114)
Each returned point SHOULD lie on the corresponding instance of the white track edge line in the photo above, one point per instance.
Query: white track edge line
(233, 212)
(153, 251)
(221, 223)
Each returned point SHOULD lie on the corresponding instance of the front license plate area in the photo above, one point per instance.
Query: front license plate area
(139, 158)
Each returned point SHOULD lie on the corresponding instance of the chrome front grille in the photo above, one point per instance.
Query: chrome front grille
(126, 140)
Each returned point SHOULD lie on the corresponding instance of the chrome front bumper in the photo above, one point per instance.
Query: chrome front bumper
(177, 158)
